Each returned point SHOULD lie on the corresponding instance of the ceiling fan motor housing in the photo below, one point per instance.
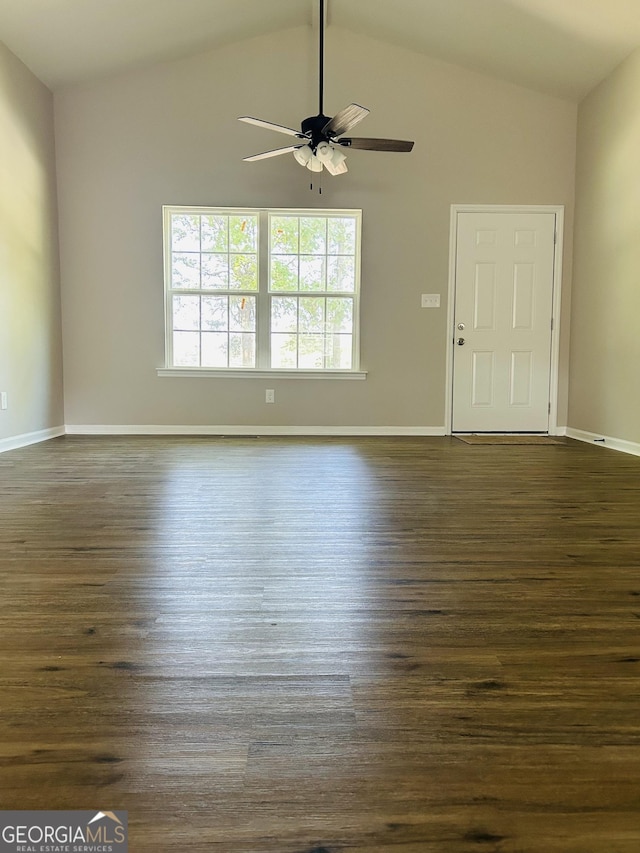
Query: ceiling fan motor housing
(314, 125)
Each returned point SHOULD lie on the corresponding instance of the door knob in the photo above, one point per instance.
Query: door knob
(460, 342)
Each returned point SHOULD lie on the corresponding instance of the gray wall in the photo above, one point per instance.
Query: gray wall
(30, 331)
(605, 344)
(168, 135)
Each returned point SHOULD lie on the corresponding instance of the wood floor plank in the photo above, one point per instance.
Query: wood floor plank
(406, 645)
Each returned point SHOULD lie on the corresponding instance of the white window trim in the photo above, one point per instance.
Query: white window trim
(262, 297)
(251, 373)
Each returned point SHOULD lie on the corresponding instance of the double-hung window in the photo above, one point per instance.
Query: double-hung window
(262, 290)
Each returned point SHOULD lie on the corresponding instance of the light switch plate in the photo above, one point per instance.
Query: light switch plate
(430, 300)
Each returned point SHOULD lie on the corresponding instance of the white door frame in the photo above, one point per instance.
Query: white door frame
(558, 210)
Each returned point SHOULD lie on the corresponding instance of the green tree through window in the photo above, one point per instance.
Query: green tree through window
(262, 289)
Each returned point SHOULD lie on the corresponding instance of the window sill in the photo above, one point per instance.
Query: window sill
(238, 373)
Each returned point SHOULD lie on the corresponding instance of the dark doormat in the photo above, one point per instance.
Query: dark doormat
(487, 438)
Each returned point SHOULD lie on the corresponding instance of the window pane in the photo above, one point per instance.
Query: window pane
(339, 315)
(242, 350)
(186, 312)
(215, 272)
(283, 351)
(312, 273)
(284, 314)
(284, 235)
(216, 285)
(341, 274)
(311, 351)
(186, 349)
(243, 233)
(215, 233)
(284, 273)
(342, 236)
(339, 352)
(243, 272)
(215, 313)
(313, 235)
(242, 313)
(185, 233)
(215, 346)
(185, 270)
(311, 314)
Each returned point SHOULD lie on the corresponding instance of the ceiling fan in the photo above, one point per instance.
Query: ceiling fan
(321, 137)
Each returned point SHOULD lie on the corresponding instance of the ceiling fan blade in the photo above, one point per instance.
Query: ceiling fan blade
(271, 126)
(366, 144)
(344, 120)
(275, 153)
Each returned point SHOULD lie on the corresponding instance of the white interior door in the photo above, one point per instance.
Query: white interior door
(502, 321)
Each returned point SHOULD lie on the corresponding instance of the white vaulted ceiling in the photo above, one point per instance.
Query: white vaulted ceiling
(562, 47)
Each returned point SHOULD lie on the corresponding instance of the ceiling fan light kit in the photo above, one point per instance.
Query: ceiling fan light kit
(334, 161)
(321, 137)
(305, 156)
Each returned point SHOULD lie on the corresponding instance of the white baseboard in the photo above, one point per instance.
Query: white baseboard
(607, 441)
(17, 441)
(164, 429)
(27, 438)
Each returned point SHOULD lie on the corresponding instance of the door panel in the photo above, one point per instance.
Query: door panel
(503, 310)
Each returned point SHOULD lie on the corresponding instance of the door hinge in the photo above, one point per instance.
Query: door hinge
(552, 324)
(549, 409)
(555, 237)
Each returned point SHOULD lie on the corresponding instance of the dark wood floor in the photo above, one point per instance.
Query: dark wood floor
(341, 645)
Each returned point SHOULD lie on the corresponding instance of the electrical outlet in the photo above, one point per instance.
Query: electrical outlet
(3, 400)
(430, 300)
(270, 396)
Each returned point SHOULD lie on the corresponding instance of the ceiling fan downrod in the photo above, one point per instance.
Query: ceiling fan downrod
(321, 59)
